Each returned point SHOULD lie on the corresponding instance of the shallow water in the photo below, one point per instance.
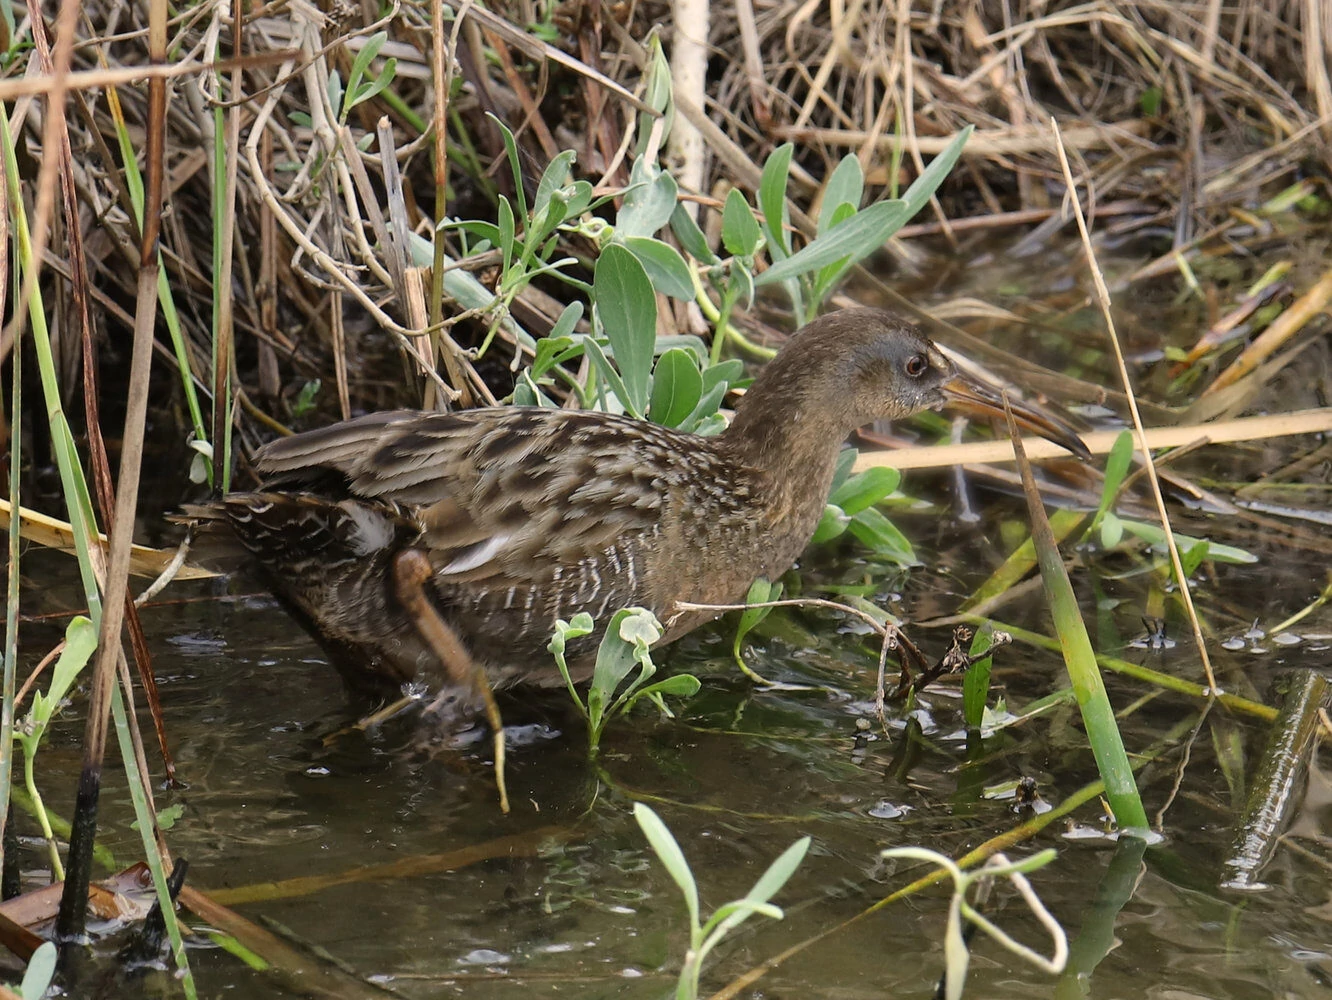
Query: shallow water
(584, 909)
(573, 903)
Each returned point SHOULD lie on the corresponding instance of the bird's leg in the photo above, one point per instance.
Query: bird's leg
(375, 718)
(411, 572)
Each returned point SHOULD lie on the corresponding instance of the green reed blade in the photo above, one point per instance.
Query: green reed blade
(1099, 718)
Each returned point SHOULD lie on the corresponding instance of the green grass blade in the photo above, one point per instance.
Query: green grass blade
(1116, 468)
(12, 595)
(976, 682)
(1017, 565)
(1099, 718)
(73, 485)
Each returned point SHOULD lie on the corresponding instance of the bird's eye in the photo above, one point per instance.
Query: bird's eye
(917, 366)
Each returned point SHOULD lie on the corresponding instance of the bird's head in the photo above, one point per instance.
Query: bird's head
(856, 366)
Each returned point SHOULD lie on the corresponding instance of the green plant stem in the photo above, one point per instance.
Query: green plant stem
(12, 597)
(30, 780)
(1137, 672)
(402, 108)
(60, 826)
(749, 347)
(148, 831)
(722, 328)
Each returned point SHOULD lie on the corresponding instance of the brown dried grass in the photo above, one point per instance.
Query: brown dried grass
(321, 287)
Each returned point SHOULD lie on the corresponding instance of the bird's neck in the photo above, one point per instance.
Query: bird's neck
(795, 444)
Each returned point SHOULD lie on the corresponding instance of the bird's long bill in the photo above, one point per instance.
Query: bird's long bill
(968, 394)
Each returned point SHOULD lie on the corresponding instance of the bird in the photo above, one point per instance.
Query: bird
(517, 516)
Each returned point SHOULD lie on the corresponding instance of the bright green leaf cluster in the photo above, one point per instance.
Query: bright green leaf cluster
(80, 641)
(627, 643)
(360, 89)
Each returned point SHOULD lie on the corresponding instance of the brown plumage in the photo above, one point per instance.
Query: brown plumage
(528, 515)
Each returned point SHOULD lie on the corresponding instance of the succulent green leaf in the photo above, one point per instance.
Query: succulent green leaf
(80, 641)
(832, 525)
(580, 198)
(704, 410)
(507, 229)
(866, 489)
(335, 92)
(610, 376)
(760, 592)
(881, 535)
(515, 166)
(778, 873)
(627, 308)
(666, 269)
(569, 318)
(575, 628)
(922, 189)
(485, 232)
(740, 230)
(677, 386)
(857, 238)
(550, 351)
(1154, 535)
(690, 236)
(845, 188)
(1192, 557)
(373, 89)
(846, 460)
(724, 372)
(672, 858)
(363, 60)
(554, 178)
(1112, 530)
(628, 637)
(677, 686)
(1116, 468)
(772, 198)
(40, 972)
(649, 202)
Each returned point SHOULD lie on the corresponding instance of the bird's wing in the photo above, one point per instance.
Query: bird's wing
(502, 495)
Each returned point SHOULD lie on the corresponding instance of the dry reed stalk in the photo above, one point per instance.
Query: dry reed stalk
(1103, 299)
(689, 69)
(100, 465)
(110, 651)
(1283, 328)
(1099, 442)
